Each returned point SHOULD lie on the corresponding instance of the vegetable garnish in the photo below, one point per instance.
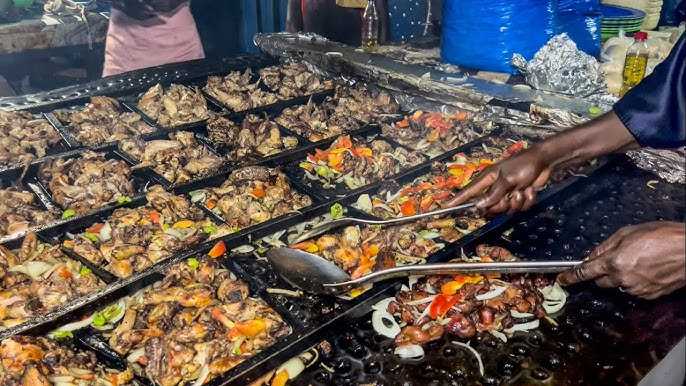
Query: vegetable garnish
(336, 211)
(280, 378)
(210, 229)
(91, 236)
(61, 335)
(441, 304)
(85, 271)
(217, 250)
(67, 214)
(154, 217)
(121, 200)
(193, 263)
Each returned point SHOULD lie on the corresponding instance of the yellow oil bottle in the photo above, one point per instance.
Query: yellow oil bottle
(635, 63)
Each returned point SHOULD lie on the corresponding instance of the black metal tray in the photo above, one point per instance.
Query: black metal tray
(604, 336)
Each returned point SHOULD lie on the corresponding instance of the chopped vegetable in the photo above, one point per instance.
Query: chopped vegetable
(336, 211)
(183, 224)
(451, 287)
(67, 214)
(154, 217)
(441, 304)
(61, 335)
(193, 263)
(280, 378)
(91, 236)
(218, 249)
(121, 200)
(251, 328)
(84, 271)
(210, 229)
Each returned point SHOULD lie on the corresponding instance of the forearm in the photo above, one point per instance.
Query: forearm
(601, 136)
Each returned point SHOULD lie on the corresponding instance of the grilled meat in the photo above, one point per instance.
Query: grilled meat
(237, 93)
(179, 159)
(24, 137)
(363, 104)
(38, 278)
(133, 239)
(255, 138)
(293, 80)
(38, 361)
(178, 105)
(357, 163)
(317, 122)
(103, 120)
(198, 322)
(19, 212)
(87, 182)
(252, 195)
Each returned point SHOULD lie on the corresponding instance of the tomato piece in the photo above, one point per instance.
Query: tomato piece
(408, 208)
(335, 160)
(344, 142)
(363, 152)
(402, 124)
(154, 217)
(211, 204)
(441, 304)
(258, 191)
(280, 379)
(95, 228)
(218, 249)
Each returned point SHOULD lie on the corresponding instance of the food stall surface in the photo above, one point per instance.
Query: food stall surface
(182, 210)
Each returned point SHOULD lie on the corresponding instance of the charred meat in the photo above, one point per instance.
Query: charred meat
(87, 182)
(357, 163)
(103, 120)
(175, 106)
(255, 138)
(237, 92)
(433, 133)
(252, 195)
(364, 104)
(317, 122)
(38, 278)
(293, 80)
(133, 239)
(195, 324)
(179, 159)
(24, 137)
(38, 361)
(19, 212)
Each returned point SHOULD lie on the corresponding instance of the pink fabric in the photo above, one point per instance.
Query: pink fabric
(168, 38)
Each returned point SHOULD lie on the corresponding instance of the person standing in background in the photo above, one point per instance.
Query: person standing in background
(150, 33)
(338, 20)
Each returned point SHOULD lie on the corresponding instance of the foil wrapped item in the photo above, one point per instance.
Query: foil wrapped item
(668, 164)
(559, 66)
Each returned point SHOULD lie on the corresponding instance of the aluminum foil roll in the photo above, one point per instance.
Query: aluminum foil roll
(559, 66)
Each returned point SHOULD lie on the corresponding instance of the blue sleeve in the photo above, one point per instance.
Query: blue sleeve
(655, 110)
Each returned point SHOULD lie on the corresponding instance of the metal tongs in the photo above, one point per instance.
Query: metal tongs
(325, 227)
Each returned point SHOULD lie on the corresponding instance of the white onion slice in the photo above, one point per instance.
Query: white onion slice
(105, 232)
(495, 292)
(476, 354)
(427, 299)
(384, 324)
(520, 315)
(74, 325)
(498, 335)
(410, 351)
(244, 249)
(523, 326)
(364, 203)
(293, 367)
(382, 305)
(34, 269)
(553, 307)
(204, 373)
(135, 355)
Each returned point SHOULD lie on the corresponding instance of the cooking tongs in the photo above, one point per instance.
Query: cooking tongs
(327, 226)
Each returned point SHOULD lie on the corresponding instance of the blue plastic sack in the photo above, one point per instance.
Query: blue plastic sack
(581, 6)
(483, 35)
(583, 29)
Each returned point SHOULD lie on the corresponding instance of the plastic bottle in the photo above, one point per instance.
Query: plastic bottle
(370, 26)
(635, 63)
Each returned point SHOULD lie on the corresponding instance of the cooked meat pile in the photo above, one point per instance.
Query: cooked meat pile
(19, 212)
(179, 159)
(87, 182)
(317, 122)
(255, 138)
(103, 120)
(252, 195)
(356, 163)
(465, 305)
(363, 104)
(195, 324)
(38, 278)
(38, 361)
(360, 251)
(293, 80)
(178, 105)
(24, 137)
(133, 239)
(237, 93)
(433, 133)
(430, 192)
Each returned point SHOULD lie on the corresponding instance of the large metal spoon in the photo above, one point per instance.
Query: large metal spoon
(315, 274)
(327, 226)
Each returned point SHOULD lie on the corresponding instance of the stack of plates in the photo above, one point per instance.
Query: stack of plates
(652, 8)
(620, 18)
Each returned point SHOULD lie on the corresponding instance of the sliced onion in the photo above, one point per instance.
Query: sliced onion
(412, 280)
(498, 335)
(520, 315)
(553, 307)
(384, 324)
(244, 249)
(135, 355)
(197, 195)
(364, 203)
(105, 233)
(523, 326)
(495, 292)
(554, 292)
(382, 305)
(476, 354)
(202, 377)
(34, 269)
(293, 367)
(73, 326)
(409, 351)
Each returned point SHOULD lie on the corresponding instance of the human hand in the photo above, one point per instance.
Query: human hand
(646, 260)
(510, 185)
(136, 9)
